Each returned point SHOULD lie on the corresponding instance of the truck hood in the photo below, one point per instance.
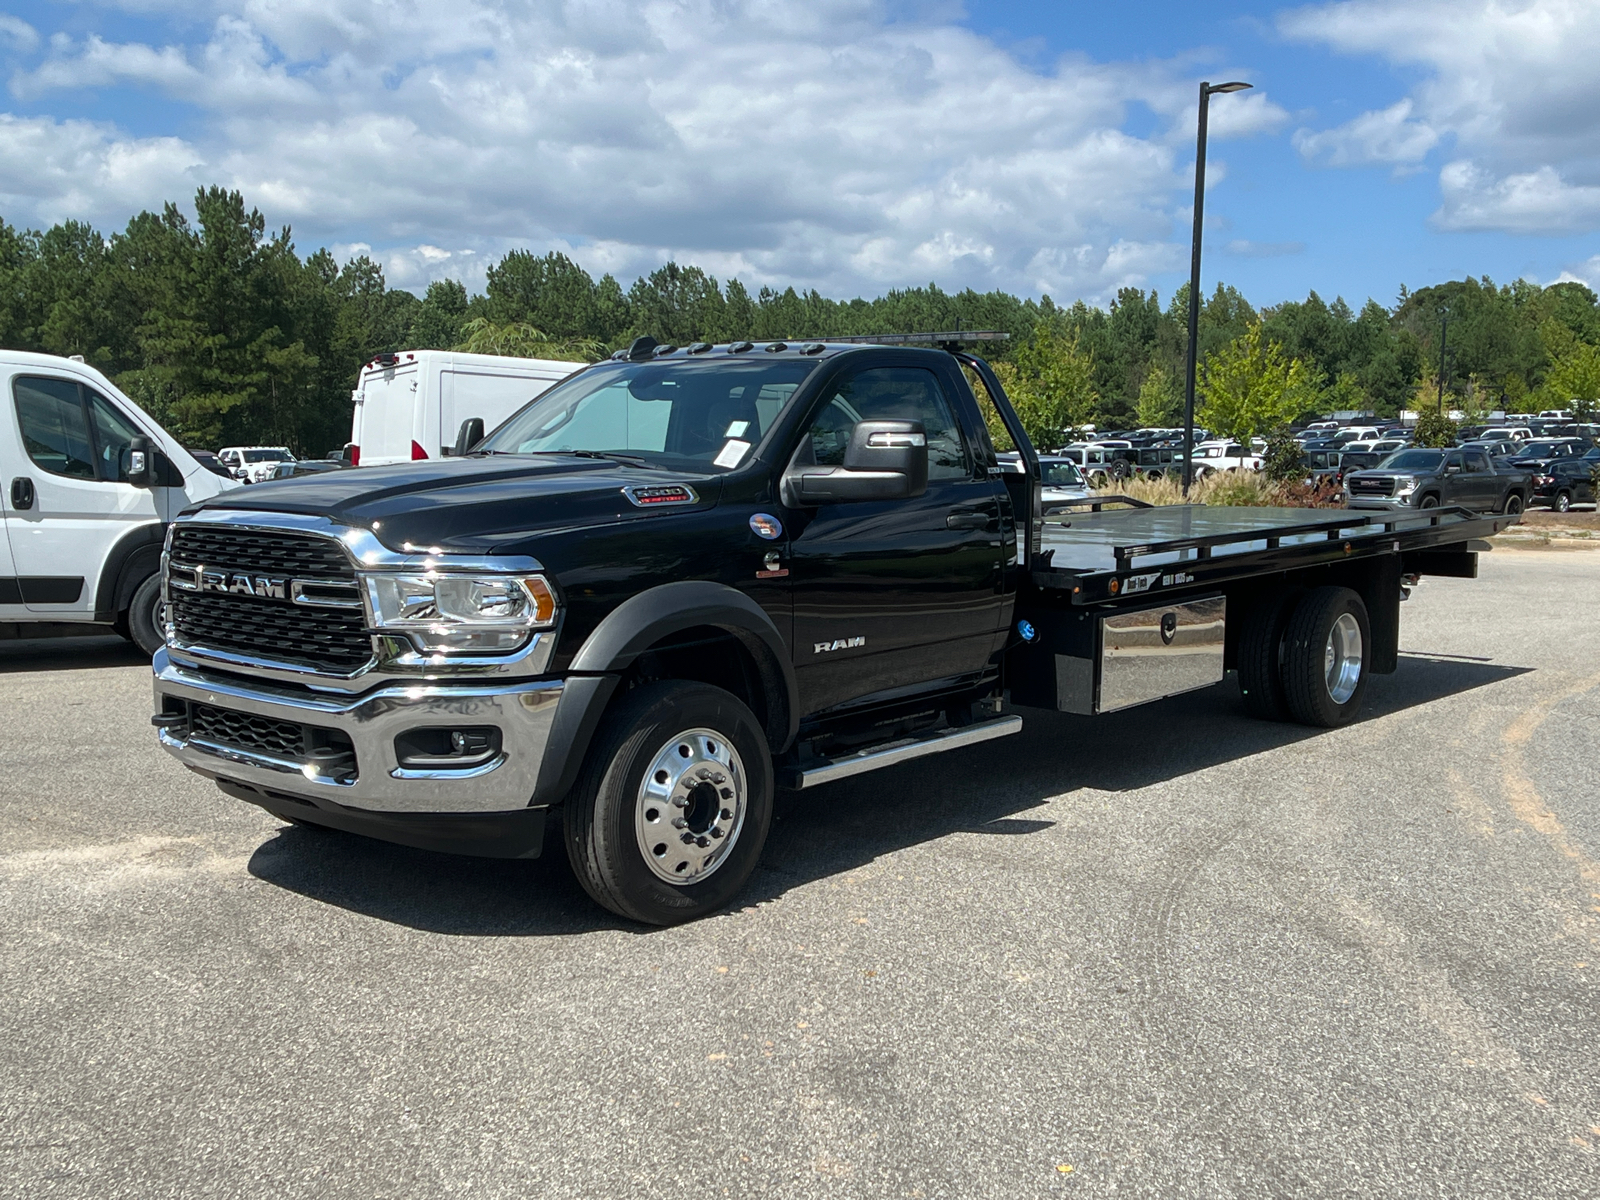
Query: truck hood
(471, 505)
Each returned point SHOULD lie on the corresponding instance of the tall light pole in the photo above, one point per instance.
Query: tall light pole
(1207, 90)
(1444, 329)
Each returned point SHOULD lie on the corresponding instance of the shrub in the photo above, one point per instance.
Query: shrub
(1434, 430)
(1284, 460)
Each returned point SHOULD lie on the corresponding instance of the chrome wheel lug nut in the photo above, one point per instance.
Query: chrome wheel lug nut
(701, 841)
(714, 832)
(726, 814)
(687, 839)
(680, 802)
(679, 823)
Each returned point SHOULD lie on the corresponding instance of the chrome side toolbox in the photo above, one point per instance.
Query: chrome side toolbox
(1087, 661)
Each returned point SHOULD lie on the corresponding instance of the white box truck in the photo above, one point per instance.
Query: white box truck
(411, 404)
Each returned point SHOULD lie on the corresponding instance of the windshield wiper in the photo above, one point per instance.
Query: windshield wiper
(632, 460)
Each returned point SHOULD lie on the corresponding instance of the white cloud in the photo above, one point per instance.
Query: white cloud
(1587, 273)
(63, 170)
(778, 140)
(1243, 248)
(1537, 201)
(17, 32)
(1386, 136)
(1509, 82)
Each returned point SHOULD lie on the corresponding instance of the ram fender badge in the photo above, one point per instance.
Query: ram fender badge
(766, 526)
(838, 644)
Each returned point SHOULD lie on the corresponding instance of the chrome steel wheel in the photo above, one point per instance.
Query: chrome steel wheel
(691, 806)
(1341, 659)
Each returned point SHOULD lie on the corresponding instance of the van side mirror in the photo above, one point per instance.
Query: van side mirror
(885, 460)
(470, 434)
(141, 463)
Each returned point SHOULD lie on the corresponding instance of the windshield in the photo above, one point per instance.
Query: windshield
(258, 456)
(1542, 449)
(1414, 460)
(1061, 474)
(688, 415)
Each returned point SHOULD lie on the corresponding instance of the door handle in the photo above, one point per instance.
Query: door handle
(21, 492)
(967, 520)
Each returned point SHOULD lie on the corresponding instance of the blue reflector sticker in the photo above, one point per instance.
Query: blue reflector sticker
(766, 527)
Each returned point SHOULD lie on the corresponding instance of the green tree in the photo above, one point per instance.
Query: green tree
(440, 316)
(1158, 400)
(1251, 387)
(518, 340)
(1573, 380)
(1050, 382)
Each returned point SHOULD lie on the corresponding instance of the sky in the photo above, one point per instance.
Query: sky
(848, 145)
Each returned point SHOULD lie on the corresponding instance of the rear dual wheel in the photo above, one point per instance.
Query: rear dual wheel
(1303, 657)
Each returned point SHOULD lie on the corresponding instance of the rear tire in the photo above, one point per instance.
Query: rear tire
(1260, 657)
(1513, 505)
(146, 617)
(619, 822)
(1325, 651)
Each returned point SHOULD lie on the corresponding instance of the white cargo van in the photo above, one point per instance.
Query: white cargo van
(411, 405)
(90, 484)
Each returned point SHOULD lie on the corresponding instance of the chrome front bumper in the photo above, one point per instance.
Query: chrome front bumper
(523, 712)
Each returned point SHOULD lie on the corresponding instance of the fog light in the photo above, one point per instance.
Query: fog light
(446, 748)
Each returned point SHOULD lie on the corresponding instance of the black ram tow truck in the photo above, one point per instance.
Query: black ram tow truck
(685, 577)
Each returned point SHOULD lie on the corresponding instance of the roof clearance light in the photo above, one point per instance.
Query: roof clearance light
(417, 453)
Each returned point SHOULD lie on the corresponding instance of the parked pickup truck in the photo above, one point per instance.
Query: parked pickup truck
(683, 578)
(1420, 478)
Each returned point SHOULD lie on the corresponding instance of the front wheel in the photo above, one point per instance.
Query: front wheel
(669, 818)
(1324, 663)
(1429, 502)
(147, 617)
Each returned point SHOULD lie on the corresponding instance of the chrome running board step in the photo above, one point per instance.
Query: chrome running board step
(904, 750)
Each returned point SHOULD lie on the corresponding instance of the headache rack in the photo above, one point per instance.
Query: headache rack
(1101, 555)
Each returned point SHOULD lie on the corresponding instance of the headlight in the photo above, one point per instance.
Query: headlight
(447, 613)
(1404, 485)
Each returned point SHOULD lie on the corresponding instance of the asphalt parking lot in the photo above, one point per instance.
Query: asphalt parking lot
(1168, 953)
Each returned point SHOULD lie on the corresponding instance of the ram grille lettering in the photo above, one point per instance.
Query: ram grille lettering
(262, 586)
(838, 644)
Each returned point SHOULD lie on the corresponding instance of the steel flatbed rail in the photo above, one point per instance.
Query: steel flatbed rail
(1109, 554)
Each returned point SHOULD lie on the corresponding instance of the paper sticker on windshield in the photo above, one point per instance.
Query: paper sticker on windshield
(737, 429)
(732, 453)
(766, 527)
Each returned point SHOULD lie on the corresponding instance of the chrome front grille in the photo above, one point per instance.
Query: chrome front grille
(266, 596)
(260, 550)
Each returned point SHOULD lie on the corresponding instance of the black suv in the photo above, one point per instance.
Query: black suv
(1565, 482)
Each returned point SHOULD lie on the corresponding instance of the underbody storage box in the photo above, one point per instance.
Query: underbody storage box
(1097, 661)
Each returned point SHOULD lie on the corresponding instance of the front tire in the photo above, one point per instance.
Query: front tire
(1325, 652)
(669, 818)
(1429, 502)
(147, 618)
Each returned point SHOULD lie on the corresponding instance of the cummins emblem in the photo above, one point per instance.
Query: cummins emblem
(838, 644)
(243, 585)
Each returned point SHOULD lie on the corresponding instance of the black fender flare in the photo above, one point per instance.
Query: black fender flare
(133, 559)
(627, 632)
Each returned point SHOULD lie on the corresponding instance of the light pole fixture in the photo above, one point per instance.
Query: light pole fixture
(1444, 330)
(1207, 90)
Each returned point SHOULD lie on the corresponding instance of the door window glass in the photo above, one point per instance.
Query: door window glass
(54, 432)
(1453, 460)
(891, 394)
(1477, 461)
(113, 433)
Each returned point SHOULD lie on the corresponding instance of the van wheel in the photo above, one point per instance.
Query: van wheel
(146, 618)
(1260, 655)
(1325, 651)
(670, 815)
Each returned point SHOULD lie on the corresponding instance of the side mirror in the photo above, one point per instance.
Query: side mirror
(141, 463)
(885, 460)
(470, 434)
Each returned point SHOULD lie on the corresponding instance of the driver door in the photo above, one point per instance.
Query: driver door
(895, 594)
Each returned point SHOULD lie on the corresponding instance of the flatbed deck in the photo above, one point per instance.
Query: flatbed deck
(1097, 556)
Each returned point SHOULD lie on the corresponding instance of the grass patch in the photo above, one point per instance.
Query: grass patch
(1240, 489)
